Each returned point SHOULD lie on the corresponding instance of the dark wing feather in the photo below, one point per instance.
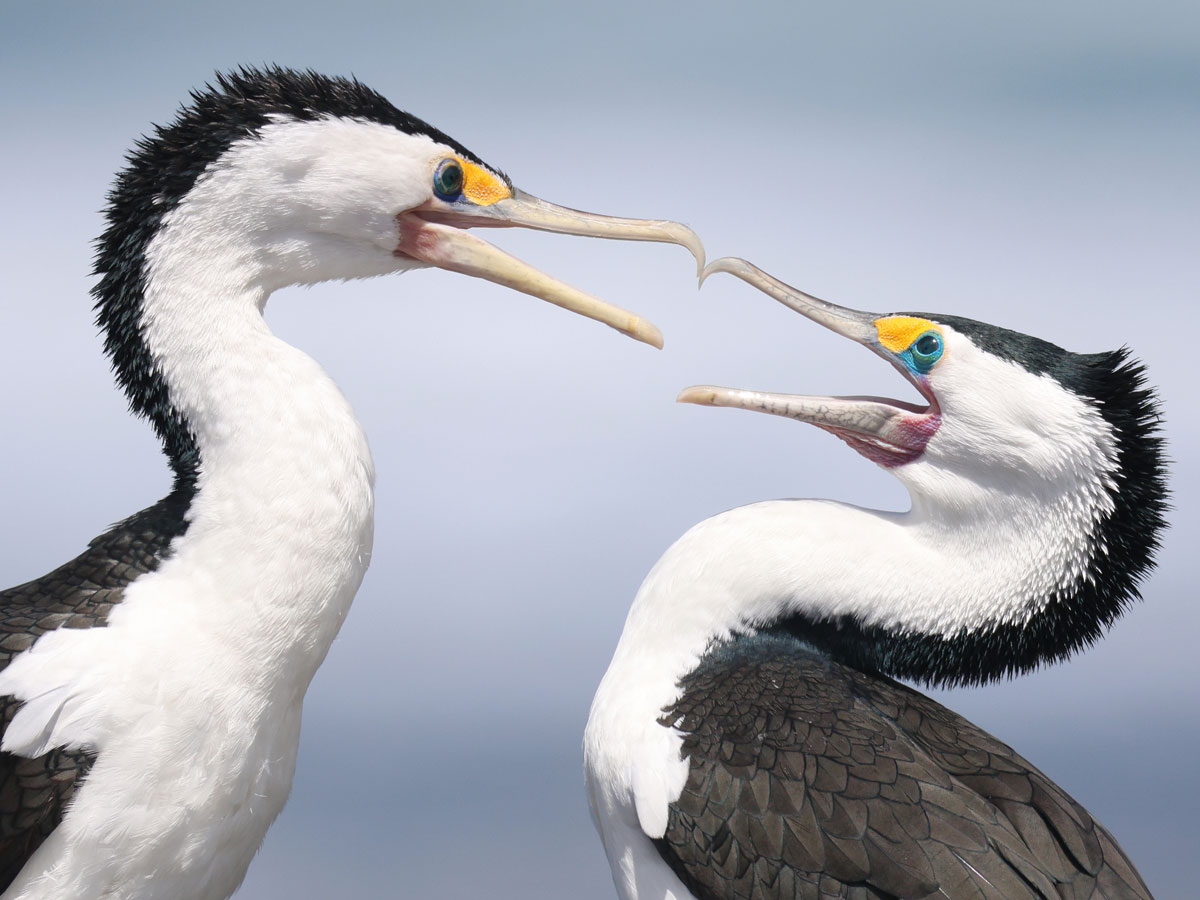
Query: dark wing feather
(809, 779)
(34, 793)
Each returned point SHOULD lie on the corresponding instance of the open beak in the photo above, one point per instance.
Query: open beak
(888, 432)
(435, 234)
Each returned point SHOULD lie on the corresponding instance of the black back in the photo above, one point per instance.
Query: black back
(34, 793)
(809, 779)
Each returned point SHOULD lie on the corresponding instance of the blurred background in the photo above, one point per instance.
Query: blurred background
(1032, 165)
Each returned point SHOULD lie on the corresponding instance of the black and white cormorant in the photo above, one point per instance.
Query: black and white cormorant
(152, 687)
(748, 740)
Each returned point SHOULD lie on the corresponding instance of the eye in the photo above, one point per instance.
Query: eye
(925, 351)
(448, 180)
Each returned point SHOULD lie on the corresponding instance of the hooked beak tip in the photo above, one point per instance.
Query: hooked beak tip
(732, 265)
(685, 237)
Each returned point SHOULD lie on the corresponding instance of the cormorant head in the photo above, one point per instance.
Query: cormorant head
(1043, 467)
(320, 178)
(1003, 414)
(275, 177)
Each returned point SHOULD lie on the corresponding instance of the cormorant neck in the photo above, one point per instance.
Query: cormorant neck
(934, 595)
(283, 506)
(1011, 556)
(282, 473)
(199, 236)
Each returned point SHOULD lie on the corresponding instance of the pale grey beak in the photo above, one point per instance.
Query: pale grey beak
(436, 236)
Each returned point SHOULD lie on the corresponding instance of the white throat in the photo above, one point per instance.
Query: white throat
(995, 561)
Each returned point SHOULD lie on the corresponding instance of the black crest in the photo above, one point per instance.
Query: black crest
(1123, 544)
(164, 167)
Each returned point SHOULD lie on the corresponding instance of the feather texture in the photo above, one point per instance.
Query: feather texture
(34, 792)
(809, 779)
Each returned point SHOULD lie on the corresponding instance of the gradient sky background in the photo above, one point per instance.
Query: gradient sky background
(1028, 164)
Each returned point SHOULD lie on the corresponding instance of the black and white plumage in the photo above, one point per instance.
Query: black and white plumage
(748, 739)
(152, 687)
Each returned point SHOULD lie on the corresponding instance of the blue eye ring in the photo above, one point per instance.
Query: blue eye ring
(925, 351)
(448, 180)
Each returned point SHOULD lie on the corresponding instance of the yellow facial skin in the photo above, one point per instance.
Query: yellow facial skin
(897, 333)
(480, 186)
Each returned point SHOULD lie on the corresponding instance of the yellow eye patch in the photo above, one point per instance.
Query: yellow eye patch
(481, 187)
(898, 332)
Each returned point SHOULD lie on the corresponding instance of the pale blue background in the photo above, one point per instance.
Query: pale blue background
(1030, 164)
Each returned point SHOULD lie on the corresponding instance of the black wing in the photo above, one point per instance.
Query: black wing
(809, 779)
(34, 793)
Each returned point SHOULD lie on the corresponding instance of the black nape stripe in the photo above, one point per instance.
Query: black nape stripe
(1116, 386)
(1075, 371)
(164, 167)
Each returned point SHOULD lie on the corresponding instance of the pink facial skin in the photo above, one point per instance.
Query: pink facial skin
(902, 442)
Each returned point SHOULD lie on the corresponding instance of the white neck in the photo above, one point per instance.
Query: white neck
(927, 571)
(998, 529)
(283, 510)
